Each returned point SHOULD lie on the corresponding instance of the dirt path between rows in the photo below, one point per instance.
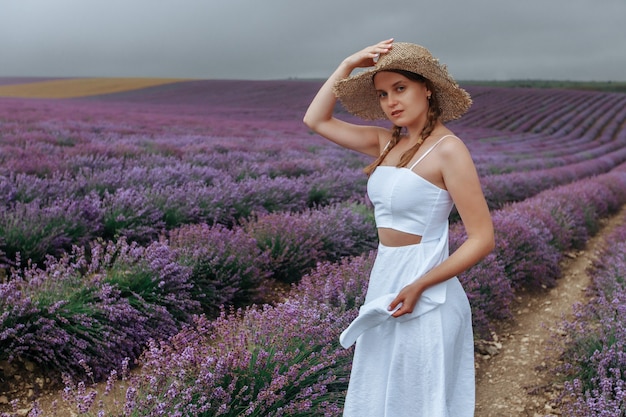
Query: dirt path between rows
(517, 381)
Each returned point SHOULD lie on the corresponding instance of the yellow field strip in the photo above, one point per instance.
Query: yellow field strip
(81, 87)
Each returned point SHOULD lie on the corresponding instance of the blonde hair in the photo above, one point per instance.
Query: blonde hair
(434, 112)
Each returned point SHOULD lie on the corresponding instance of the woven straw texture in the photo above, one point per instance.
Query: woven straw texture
(358, 95)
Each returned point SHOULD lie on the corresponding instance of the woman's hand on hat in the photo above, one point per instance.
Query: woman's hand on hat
(406, 299)
(368, 57)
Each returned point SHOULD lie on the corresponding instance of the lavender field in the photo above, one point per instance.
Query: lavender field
(196, 247)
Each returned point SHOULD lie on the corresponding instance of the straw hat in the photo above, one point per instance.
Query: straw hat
(359, 97)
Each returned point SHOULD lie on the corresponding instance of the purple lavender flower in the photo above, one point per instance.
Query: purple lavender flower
(228, 267)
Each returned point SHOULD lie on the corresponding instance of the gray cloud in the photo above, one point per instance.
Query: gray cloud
(274, 39)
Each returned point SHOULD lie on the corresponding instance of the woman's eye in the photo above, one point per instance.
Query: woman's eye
(382, 94)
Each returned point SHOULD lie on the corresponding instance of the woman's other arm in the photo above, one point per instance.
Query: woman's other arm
(463, 184)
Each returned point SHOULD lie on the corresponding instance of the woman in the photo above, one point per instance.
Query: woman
(414, 345)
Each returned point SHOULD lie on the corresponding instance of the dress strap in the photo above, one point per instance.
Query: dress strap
(385, 148)
(428, 151)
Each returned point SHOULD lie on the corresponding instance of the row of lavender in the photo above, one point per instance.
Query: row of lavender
(594, 357)
(562, 126)
(141, 198)
(46, 224)
(68, 181)
(583, 116)
(557, 113)
(285, 359)
(99, 306)
(76, 172)
(592, 119)
(544, 138)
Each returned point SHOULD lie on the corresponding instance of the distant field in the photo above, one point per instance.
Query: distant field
(609, 86)
(24, 80)
(127, 89)
(79, 87)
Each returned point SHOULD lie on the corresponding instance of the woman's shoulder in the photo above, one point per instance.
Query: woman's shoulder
(449, 140)
(452, 146)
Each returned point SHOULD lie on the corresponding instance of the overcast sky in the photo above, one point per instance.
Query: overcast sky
(277, 39)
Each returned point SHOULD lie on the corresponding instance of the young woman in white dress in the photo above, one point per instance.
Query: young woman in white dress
(414, 343)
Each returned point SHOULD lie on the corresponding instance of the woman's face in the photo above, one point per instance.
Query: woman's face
(404, 101)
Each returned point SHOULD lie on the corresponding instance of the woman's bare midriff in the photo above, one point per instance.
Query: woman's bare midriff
(392, 237)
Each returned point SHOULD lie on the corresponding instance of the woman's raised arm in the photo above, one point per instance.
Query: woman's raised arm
(319, 115)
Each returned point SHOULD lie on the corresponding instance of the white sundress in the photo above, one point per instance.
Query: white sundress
(421, 364)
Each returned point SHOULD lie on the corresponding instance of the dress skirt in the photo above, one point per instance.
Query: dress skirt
(418, 365)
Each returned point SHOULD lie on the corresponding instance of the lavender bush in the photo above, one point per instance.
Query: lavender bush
(524, 250)
(4, 262)
(291, 242)
(228, 267)
(274, 361)
(95, 311)
(487, 286)
(267, 371)
(506, 188)
(336, 186)
(295, 242)
(282, 360)
(34, 230)
(151, 274)
(340, 285)
(345, 230)
(332, 288)
(595, 354)
(128, 213)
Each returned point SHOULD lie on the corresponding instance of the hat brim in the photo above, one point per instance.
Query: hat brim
(358, 95)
